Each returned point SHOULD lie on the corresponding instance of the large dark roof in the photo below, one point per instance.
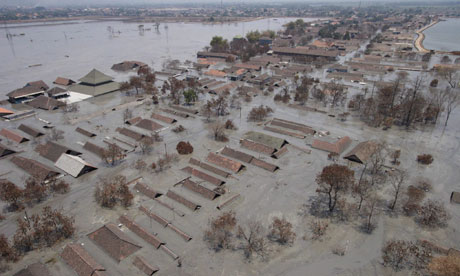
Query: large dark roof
(36, 269)
(95, 77)
(34, 168)
(25, 91)
(52, 151)
(45, 103)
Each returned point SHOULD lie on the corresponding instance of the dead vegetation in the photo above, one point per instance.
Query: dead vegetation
(112, 191)
(217, 131)
(425, 159)
(178, 129)
(220, 231)
(260, 113)
(184, 148)
(400, 254)
(281, 231)
(445, 265)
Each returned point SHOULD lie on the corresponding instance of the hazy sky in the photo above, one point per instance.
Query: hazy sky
(137, 2)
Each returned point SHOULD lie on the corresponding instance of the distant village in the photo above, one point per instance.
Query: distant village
(266, 145)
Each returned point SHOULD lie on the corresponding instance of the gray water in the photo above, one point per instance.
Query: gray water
(72, 50)
(443, 36)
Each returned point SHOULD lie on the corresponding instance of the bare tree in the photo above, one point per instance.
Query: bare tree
(362, 189)
(217, 130)
(334, 180)
(111, 191)
(127, 114)
(253, 239)
(450, 75)
(378, 158)
(397, 178)
(146, 144)
(56, 135)
(113, 154)
(281, 231)
(221, 231)
(370, 210)
(452, 100)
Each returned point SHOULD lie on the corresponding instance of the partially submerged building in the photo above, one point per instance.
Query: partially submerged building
(80, 261)
(362, 152)
(128, 66)
(336, 147)
(35, 269)
(63, 81)
(268, 140)
(25, 94)
(94, 84)
(74, 165)
(5, 151)
(58, 93)
(52, 151)
(114, 242)
(30, 130)
(13, 136)
(36, 169)
(46, 103)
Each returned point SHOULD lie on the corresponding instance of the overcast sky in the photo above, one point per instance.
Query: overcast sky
(139, 2)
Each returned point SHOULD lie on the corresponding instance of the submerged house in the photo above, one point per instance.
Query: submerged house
(63, 81)
(74, 165)
(45, 103)
(128, 66)
(25, 94)
(57, 93)
(94, 84)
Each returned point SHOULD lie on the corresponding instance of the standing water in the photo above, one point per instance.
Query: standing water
(72, 50)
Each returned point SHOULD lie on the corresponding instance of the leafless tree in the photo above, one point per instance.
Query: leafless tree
(113, 154)
(281, 231)
(146, 144)
(253, 239)
(378, 158)
(112, 191)
(362, 190)
(56, 135)
(397, 178)
(370, 209)
(217, 130)
(450, 75)
(220, 231)
(452, 100)
(127, 114)
(259, 113)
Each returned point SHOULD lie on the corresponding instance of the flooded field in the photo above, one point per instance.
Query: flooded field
(72, 50)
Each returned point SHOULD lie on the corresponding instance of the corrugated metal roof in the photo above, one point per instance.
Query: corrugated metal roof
(224, 162)
(30, 130)
(79, 260)
(182, 200)
(13, 136)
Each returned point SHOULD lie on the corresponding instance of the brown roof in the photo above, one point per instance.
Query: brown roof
(34, 168)
(362, 152)
(203, 191)
(4, 111)
(149, 125)
(281, 152)
(39, 84)
(305, 51)
(182, 200)
(4, 150)
(293, 125)
(257, 147)
(141, 232)
(84, 132)
(154, 216)
(45, 103)
(146, 190)
(79, 260)
(174, 112)
(284, 132)
(128, 65)
(114, 242)
(224, 162)
(25, 91)
(52, 151)
(36, 269)
(162, 118)
(184, 109)
(206, 177)
(144, 266)
(209, 167)
(338, 147)
(133, 121)
(239, 155)
(131, 133)
(95, 149)
(264, 165)
(63, 81)
(56, 91)
(13, 136)
(248, 66)
(30, 130)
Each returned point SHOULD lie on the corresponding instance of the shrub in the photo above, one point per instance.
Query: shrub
(230, 125)
(178, 129)
(425, 159)
(400, 254)
(60, 187)
(221, 231)
(113, 191)
(281, 231)
(318, 228)
(432, 214)
(184, 148)
(259, 113)
(140, 165)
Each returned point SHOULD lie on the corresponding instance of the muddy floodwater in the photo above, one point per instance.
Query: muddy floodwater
(444, 36)
(72, 49)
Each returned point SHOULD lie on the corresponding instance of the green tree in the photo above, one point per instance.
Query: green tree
(253, 36)
(190, 96)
